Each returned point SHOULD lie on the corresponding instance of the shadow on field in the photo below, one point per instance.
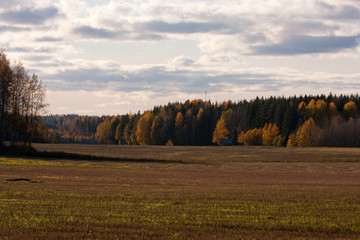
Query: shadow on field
(82, 157)
(21, 151)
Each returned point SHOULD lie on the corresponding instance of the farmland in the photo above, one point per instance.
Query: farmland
(182, 193)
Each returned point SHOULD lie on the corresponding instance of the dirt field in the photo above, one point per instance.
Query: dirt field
(273, 195)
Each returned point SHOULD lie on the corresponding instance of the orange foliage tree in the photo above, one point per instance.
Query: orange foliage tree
(220, 132)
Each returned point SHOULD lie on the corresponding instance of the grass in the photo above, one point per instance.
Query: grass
(226, 198)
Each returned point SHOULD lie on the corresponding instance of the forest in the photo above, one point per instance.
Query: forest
(303, 121)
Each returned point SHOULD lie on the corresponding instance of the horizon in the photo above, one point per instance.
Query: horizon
(111, 58)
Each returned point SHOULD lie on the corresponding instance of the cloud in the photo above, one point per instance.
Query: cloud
(184, 27)
(13, 29)
(49, 39)
(90, 32)
(182, 61)
(29, 16)
(345, 12)
(301, 44)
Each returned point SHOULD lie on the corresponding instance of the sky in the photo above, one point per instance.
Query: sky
(113, 57)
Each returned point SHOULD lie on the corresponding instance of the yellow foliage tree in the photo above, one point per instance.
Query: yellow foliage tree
(269, 133)
(311, 108)
(155, 130)
(143, 128)
(291, 141)
(302, 109)
(179, 128)
(220, 132)
(103, 132)
(333, 110)
(309, 134)
(253, 137)
(241, 138)
(350, 110)
(320, 109)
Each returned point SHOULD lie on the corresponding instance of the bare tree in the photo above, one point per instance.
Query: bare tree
(6, 76)
(21, 102)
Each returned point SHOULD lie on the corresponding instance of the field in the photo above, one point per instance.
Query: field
(182, 193)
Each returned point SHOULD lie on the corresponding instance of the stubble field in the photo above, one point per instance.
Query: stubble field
(186, 193)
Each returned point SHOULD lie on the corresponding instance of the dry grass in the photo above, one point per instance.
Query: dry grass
(210, 154)
(221, 198)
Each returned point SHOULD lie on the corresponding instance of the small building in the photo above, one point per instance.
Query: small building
(225, 142)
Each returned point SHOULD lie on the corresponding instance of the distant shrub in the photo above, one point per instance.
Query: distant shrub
(169, 143)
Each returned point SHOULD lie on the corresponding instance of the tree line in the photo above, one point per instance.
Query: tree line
(276, 121)
(21, 102)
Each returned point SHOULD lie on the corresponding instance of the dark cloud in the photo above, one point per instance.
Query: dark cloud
(49, 39)
(13, 29)
(82, 75)
(27, 16)
(345, 12)
(308, 27)
(349, 12)
(39, 58)
(159, 78)
(19, 49)
(300, 44)
(90, 32)
(184, 27)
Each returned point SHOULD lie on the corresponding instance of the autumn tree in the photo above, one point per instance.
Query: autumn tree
(309, 134)
(333, 110)
(128, 131)
(302, 110)
(103, 132)
(291, 141)
(120, 128)
(155, 130)
(253, 137)
(350, 110)
(179, 128)
(270, 132)
(321, 109)
(314, 109)
(311, 109)
(221, 132)
(199, 127)
(143, 128)
(241, 137)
